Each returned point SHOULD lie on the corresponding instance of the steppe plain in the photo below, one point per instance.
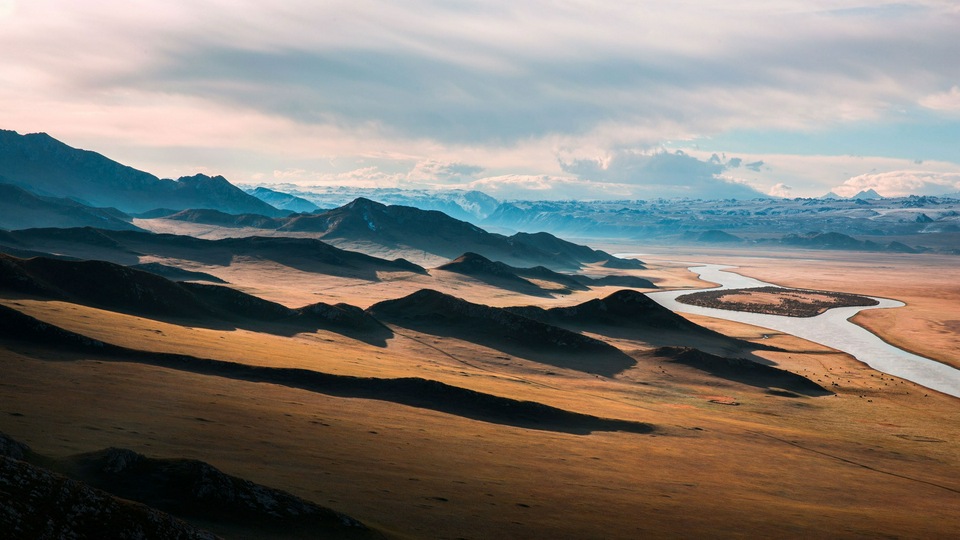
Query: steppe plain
(872, 456)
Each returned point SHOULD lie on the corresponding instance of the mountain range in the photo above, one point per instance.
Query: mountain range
(45, 166)
(466, 205)
(68, 187)
(363, 224)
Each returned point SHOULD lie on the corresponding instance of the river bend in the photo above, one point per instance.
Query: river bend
(831, 328)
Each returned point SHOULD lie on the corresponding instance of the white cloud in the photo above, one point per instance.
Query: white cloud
(780, 190)
(943, 101)
(815, 175)
(432, 171)
(663, 174)
(366, 177)
(902, 183)
(547, 187)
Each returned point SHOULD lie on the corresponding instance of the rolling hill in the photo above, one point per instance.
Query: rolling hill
(525, 279)
(633, 315)
(128, 290)
(436, 313)
(411, 391)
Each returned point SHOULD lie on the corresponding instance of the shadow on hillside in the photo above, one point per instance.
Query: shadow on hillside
(519, 285)
(226, 254)
(598, 359)
(704, 339)
(375, 335)
(126, 248)
(15, 327)
(743, 371)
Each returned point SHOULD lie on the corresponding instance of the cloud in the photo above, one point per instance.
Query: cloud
(662, 174)
(497, 71)
(547, 187)
(366, 177)
(503, 86)
(902, 183)
(780, 190)
(814, 175)
(433, 171)
(948, 101)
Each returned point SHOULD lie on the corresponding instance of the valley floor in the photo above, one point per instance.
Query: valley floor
(877, 456)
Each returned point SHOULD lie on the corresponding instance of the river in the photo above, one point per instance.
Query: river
(831, 328)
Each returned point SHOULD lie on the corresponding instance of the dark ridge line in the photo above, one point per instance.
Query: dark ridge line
(411, 391)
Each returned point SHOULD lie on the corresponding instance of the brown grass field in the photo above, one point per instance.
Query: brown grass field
(879, 457)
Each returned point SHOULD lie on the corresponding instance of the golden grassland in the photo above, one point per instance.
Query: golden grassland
(880, 457)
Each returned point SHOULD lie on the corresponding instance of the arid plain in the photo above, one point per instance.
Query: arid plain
(723, 452)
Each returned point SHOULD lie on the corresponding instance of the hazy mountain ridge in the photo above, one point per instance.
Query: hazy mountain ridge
(224, 219)
(45, 166)
(21, 209)
(915, 221)
(428, 231)
(283, 201)
(471, 205)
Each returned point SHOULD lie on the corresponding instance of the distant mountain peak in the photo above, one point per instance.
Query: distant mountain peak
(283, 201)
(200, 177)
(867, 194)
(363, 202)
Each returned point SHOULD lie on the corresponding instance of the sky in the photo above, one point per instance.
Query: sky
(559, 99)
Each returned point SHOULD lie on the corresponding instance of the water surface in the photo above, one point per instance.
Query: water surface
(831, 328)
